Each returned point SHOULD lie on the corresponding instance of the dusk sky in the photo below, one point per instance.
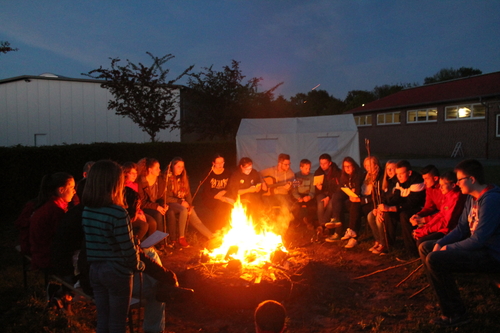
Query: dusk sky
(341, 45)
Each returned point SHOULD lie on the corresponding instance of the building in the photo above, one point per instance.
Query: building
(54, 110)
(458, 117)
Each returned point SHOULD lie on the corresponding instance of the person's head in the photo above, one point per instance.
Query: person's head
(325, 160)
(130, 171)
(470, 175)
(447, 181)
(305, 166)
(177, 166)
(283, 162)
(371, 165)
(218, 162)
(59, 184)
(349, 166)
(86, 168)
(104, 185)
(390, 169)
(270, 317)
(148, 166)
(430, 174)
(246, 165)
(403, 171)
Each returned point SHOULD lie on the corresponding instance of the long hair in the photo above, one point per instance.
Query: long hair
(375, 161)
(49, 185)
(385, 181)
(355, 166)
(172, 178)
(144, 164)
(104, 185)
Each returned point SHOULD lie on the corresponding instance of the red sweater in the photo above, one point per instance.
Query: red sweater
(43, 226)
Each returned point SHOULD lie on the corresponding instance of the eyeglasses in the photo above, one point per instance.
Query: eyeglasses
(459, 180)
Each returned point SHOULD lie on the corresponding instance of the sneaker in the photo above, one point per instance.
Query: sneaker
(333, 224)
(380, 249)
(349, 233)
(332, 238)
(351, 243)
(374, 246)
(183, 242)
(452, 321)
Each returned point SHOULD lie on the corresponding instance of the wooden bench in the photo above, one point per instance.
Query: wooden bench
(135, 304)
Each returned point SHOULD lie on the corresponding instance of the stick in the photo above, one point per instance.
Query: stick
(418, 292)
(406, 278)
(386, 269)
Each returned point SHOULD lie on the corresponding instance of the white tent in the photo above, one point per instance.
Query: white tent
(264, 139)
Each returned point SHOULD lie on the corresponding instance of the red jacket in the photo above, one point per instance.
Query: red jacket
(433, 197)
(452, 205)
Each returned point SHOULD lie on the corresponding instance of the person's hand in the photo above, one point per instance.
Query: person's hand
(354, 199)
(306, 198)
(319, 186)
(416, 219)
(437, 247)
(325, 201)
(380, 218)
(185, 204)
(444, 248)
(161, 209)
(287, 186)
(381, 208)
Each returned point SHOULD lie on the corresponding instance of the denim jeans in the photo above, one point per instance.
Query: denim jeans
(112, 292)
(440, 265)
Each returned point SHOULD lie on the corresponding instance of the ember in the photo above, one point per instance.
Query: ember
(242, 242)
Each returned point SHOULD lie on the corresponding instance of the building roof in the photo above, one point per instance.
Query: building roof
(479, 86)
(55, 77)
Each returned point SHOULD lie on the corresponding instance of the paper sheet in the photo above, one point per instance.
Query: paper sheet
(349, 192)
(153, 239)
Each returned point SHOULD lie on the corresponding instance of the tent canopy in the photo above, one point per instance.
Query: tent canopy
(264, 139)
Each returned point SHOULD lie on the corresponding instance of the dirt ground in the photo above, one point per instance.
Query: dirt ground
(324, 294)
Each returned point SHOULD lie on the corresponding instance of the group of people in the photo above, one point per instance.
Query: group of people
(451, 220)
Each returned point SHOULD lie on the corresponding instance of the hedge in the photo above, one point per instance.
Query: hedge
(23, 167)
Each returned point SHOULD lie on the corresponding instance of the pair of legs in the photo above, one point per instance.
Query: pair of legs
(402, 218)
(440, 266)
(340, 202)
(155, 220)
(194, 220)
(112, 292)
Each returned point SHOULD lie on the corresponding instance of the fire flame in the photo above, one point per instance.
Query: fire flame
(244, 243)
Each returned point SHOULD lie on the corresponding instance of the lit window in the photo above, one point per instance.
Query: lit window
(421, 116)
(389, 118)
(465, 112)
(363, 120)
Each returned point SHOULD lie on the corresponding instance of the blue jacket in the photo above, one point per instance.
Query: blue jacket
(487, 232)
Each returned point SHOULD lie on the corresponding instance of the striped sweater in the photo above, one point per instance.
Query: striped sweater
(108, 237)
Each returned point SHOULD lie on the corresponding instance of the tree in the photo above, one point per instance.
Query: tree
(142, 93)
(357, 98)
(5, 47)
(316, 103)
(217, 101)
(446, 74)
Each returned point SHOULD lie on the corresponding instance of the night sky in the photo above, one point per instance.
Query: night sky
(341, 45)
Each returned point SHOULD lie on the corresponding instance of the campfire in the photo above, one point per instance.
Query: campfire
(246, 243)
(250, 265)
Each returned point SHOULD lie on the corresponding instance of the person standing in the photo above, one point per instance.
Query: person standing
(111, 251)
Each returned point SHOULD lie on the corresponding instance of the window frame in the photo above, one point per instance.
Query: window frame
(385, 115)
(426, 116)
(366, 116)
(464, 118)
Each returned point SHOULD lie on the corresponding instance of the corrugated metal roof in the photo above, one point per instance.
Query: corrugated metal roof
(486, 85)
